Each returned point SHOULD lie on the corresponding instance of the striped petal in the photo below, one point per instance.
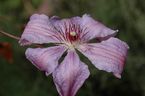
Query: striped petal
(108, 55)
(45, 59)
(39, 30)
(62, 25)
(92, 29)
(70, 75)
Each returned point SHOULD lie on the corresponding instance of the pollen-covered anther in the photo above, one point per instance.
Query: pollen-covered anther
(73, 36)
(73, 33)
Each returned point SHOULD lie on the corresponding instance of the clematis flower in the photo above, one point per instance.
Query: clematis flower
(69, 35)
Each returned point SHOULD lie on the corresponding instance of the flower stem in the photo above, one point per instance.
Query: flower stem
(9, 35)
(18, 38)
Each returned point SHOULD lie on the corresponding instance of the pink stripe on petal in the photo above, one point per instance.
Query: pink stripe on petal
(39, 30)
(108, 55)
(45, 59)
(93, 29)
(70, 75)
(61, 25)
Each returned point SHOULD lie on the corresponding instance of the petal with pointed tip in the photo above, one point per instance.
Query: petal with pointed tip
(70, 75)
(108, 55)
(45, 59)
(93, 29)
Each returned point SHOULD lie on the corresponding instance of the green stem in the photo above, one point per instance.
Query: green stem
(9, 35)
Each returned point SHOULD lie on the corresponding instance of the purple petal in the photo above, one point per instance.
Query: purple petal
(93, 29)
(108, 55)
(70, 75)
(39, 30)
(45, 59)
(60, 24)
(66, 25)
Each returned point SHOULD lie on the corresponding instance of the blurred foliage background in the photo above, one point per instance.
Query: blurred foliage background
(18, 77)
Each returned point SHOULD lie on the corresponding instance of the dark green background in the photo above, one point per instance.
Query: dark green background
(21, 78)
